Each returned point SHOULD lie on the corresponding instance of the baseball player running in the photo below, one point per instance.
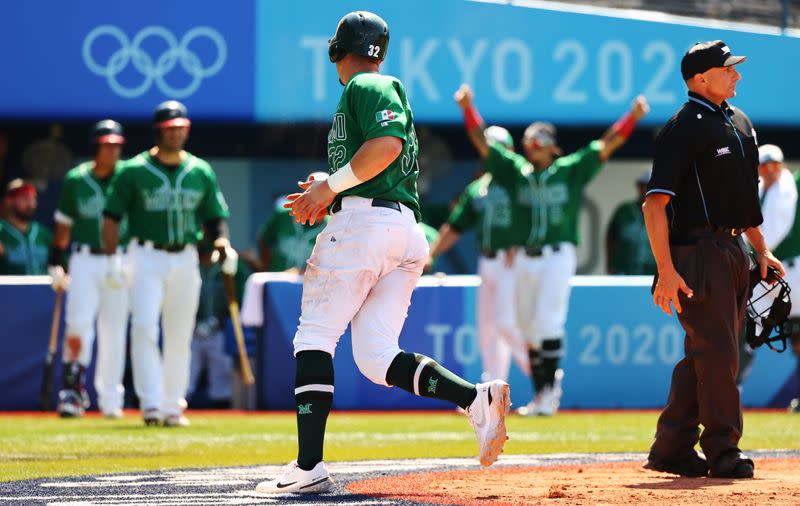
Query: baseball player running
(24, 242)
(550, 189)
(777, 190)
(368, 260)
(89, 298)
(167, 195)
(488, 207)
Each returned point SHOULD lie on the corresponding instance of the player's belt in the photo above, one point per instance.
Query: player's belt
(388, 204)
(533, 251)
(169, 248)
(87, 249)
(488, 254)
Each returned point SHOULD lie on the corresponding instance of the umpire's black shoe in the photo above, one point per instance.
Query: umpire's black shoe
(732, 464)
(690, 466)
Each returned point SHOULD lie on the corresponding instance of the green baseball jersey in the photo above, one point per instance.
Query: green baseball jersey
(213, 302)
(632, 254)
(552, 197)
(374, 105)
(81, 204)
(790, 245)
(290, 243)
(163, 204)
(25, 252)
(487, 206)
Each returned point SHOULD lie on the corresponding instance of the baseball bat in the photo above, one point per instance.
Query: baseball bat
(49, 363)
(233, 309)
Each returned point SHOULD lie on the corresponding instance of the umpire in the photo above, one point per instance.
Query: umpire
(702, 196)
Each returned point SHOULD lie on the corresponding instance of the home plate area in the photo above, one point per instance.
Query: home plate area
(515, 479)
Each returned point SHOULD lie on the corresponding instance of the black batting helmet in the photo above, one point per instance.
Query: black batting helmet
(169, 114)
(107, 131)
(360, 32)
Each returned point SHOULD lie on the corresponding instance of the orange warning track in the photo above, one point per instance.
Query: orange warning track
(776, 482)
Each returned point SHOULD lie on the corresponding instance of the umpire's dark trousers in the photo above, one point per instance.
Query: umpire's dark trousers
(703, 389)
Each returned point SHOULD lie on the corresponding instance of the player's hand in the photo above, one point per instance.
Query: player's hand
(464, 96)
(640, 107)
(227, 256)
(765, 260)
(510, 254)
(115, 276)
(59, 280)
(311, 205)
(670, 283)
(2, 250)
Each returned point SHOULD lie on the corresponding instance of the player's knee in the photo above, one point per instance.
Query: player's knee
(140, 331)
(374, 363)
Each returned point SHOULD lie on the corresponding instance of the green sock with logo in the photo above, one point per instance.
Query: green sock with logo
(313, 395)
(422, 376)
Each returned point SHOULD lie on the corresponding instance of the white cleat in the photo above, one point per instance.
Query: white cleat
(296, 481)
(176, 421)
(531, 408)
(488, 419)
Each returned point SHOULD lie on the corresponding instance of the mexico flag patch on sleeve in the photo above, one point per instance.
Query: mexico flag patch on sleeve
(384, 116)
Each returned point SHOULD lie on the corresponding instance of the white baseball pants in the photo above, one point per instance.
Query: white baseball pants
(166, 285)
(499, 338)
(543, 292)
(90, 300)
(365, 264)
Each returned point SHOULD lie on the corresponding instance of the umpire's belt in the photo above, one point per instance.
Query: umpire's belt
(533, 251)
(388, 204)
(691, 235)
(169, 248)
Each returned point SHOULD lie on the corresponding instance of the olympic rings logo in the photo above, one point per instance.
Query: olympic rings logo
(177, 53)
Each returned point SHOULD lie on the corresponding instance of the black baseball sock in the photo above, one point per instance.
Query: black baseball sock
(422, 376)
(313, 395)
(536, 369)
(73, 375)
(550, 358)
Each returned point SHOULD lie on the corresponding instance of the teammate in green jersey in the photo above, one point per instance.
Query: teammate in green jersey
(284, 244)
(551, 189)
(208, 340)
(171, 198)
(24, 243)
(368, 260)
(627, 247)
(486, 206)
(79, 217)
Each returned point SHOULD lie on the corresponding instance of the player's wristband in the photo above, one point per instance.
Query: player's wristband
(56, 256)
(343, 179)
(625, 125)
(472, 118)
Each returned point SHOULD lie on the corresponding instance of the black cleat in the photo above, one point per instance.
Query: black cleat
(733, 464)
(690, 466)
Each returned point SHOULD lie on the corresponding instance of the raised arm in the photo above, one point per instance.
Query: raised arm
(464, 97)
(619, 132)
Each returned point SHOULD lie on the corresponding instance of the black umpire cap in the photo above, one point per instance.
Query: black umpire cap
(704, 56)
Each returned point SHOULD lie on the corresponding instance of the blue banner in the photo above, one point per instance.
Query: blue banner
(620, 350)
(92, 59)
(524, 63)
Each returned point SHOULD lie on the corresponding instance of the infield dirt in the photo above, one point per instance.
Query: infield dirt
(776, 482)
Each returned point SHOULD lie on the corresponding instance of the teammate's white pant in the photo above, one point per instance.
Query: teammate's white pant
(498, 336)
(89, 299)
(165, 284)
(543, 292)
(365, 264)
(208, 354)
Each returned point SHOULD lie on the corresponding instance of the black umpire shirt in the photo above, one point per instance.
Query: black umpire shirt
(706, 159)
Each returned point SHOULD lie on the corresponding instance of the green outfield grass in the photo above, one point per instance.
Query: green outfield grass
(34, 446)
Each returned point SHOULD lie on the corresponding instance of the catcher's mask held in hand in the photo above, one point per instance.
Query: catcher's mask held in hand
(766, 320)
